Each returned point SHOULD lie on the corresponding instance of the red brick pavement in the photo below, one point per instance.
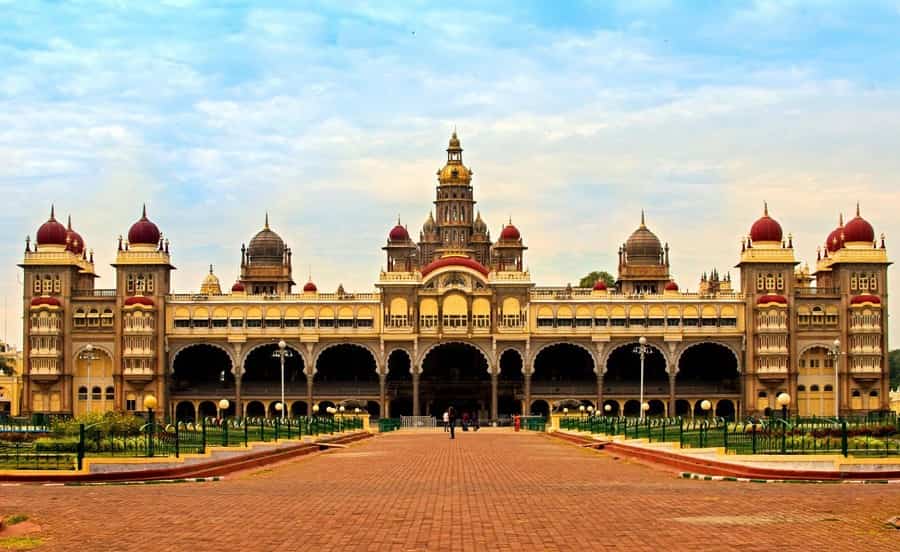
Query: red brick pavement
(484, 491)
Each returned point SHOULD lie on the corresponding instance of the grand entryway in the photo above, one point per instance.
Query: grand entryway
(455, 374)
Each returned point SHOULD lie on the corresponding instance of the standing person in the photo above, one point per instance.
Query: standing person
(465, 421)
(451, 419)
(446, 421)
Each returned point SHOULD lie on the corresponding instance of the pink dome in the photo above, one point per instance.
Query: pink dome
(139, 300)
(73, 239)
(766, 229)
(49, 301)
(865, 298)
(310, 287)
(398, 233)
(772, 298)
(144, 231)
(455, 261)
(51, 232)
(510, 233)
(858, 230)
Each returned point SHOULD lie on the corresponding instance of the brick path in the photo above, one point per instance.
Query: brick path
(491, 490)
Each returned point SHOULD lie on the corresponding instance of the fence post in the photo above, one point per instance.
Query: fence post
(277, 426)
(649, 438)
(80, 446)
(203, 450)
(784, 436)
(177, 451)
(725, 435)
(225, 432)
(844, 450)
(753, 438)
(246, 431)
(681, 433)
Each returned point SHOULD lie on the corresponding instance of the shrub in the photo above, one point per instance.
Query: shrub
(18, 437)
(48, 444)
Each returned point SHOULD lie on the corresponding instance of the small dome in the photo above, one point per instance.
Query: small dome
(48, 301)
(429, 225)
(835, 240)
(766, 229)
(210, 285)
(139, 300)
(772, 298)
(643, 247)
(865, 298)
(510, 233)
(398, 233)
(858, 230)
(144, 231)
(74, 241)
(266, 247)
(671, 286)
(600, 285)
(310, 287)
(479, 226)
(237, 287)
(51, 232)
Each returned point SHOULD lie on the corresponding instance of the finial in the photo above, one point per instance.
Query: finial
(210, 269)
(266, 226)
(857, 208)
(840, 220)
(642, 218)
(144, 211)
(52, 212)
(765, 208)
(398, 219)
(70, 223)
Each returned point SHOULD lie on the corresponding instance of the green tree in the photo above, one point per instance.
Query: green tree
(591, 279)
(894, 363)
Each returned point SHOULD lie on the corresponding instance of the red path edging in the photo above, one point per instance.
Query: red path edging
(213, 468)
(706, 466)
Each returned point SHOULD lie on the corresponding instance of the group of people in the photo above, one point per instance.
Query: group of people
(450, 417)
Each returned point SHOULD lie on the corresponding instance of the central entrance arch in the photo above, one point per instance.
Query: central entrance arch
(456, 374)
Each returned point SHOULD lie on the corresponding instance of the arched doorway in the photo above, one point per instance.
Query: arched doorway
(346, 371)
(540, 408)
(725, 409)
(707, 369)
(202, 369)
(815, 383)
(613, 408)
(683, 408)
(455, 374)
(373, 409)
(298, 409)
(510, 383)
(398, 384)
(623, 375)
(255, 409)
(262, 373)
(564, 371)
(208, 409)
(632, 409)
(657, 408)
(93, 374)
(184, 412)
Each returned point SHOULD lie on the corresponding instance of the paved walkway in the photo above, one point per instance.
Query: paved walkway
(484, 491)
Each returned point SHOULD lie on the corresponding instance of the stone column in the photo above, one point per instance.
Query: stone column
(415, 391)
(599, 405)
(238, 376)
(382, 394)
(495, 382)
(672, 394)
(309, 392)
(527, 410)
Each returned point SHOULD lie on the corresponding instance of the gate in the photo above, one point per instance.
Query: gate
(418, 422)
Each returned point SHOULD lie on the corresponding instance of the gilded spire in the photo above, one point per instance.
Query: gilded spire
(52, 212)
(266, 226)
(840, 220)
(144, 212)
(69, 227)
(857, 208)
(643, 224)
(210, 269)
(765, 208)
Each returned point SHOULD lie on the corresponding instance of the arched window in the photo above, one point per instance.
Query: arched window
(96, 393)
(82, 393)
(110, 393)
(873, 393)
(855, 393)
(770, 281)
(802, 388)
(814, 388)
(762, 395)
(829, 388)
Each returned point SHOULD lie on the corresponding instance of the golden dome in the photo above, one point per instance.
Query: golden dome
(210, 285)
(454, 171)
(643, 247)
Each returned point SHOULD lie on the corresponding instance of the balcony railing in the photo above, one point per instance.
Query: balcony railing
(93, 293)
(817, 291)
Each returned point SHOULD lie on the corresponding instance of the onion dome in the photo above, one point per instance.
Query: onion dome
(398, 233)
(74, 241)
(454, 170)
(643, 247)
(144, 231)
(671, 286)
(210, 285)
(238, 287)
(600, 285)
(510, 233)
(135, 300)
(835, 239)
(766, 229)
(771, 298)
(51, 232)
(866, 298)
(479, 226)
(429, 225)
(455, 261)
(310, 287)
(266, 247)
(45, 301)
(858, 229)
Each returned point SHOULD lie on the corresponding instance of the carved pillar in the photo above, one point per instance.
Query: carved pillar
(672, 393)
(495, 381)
(238, 376)
(599, 406)
(382, 393)
(309, 392)
(527, 409)
(415, 391)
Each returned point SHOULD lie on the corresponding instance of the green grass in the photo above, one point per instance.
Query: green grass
(20, 543)
(14, 519)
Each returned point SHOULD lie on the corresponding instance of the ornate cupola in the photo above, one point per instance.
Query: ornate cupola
(210, 285)
(266, 263)
(401, 250)
(643, 262)
(507, 253)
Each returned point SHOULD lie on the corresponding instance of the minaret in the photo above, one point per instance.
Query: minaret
(455, 203)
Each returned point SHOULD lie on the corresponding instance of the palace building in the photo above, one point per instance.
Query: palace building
(456, 318)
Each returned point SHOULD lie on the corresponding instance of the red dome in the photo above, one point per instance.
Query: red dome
(49, 301)
(310, 287)
(671, 286)
(455, 261)
(600, 285)
(237, 287)
(51, 232)
(144, 231)
(834, 242)
(766, 229)
(139, 300)
(858, 230)
(772, 298)
(398, 233)
(865, 298)
(74, 239)
(510, 233)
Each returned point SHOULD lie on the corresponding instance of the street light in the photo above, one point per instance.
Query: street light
(835, 353)
(90, 356)
(581, 410)
(783, 400)
(223, 407)
(705, 405)
(645, 407)
(642, 349)
(281, 354)
(150, 404)
(279, 407)
(315, 409)
(590, 410)
(607, 408)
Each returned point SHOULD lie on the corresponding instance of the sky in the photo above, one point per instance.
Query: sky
(333, 117)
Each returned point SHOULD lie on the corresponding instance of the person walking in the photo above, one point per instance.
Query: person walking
(446, 421)
(451, 420)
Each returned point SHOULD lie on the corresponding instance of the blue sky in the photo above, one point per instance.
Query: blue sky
(334, 118)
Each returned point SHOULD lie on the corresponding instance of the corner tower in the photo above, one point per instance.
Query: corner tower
(266, 264)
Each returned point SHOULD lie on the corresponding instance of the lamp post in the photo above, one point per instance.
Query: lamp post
(645, 407)
(607, 408)
(223, 408)
(642, 350)
(590, 410)
(279, 407)
(282, 353)
(705, 405)
(783, 400)
(581, 410)
(835, 353)
(150, 404)
(90, 356)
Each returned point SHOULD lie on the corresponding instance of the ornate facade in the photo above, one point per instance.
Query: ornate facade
(456, 318)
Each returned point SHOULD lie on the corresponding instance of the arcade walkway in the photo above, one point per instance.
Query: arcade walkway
(486, 491)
